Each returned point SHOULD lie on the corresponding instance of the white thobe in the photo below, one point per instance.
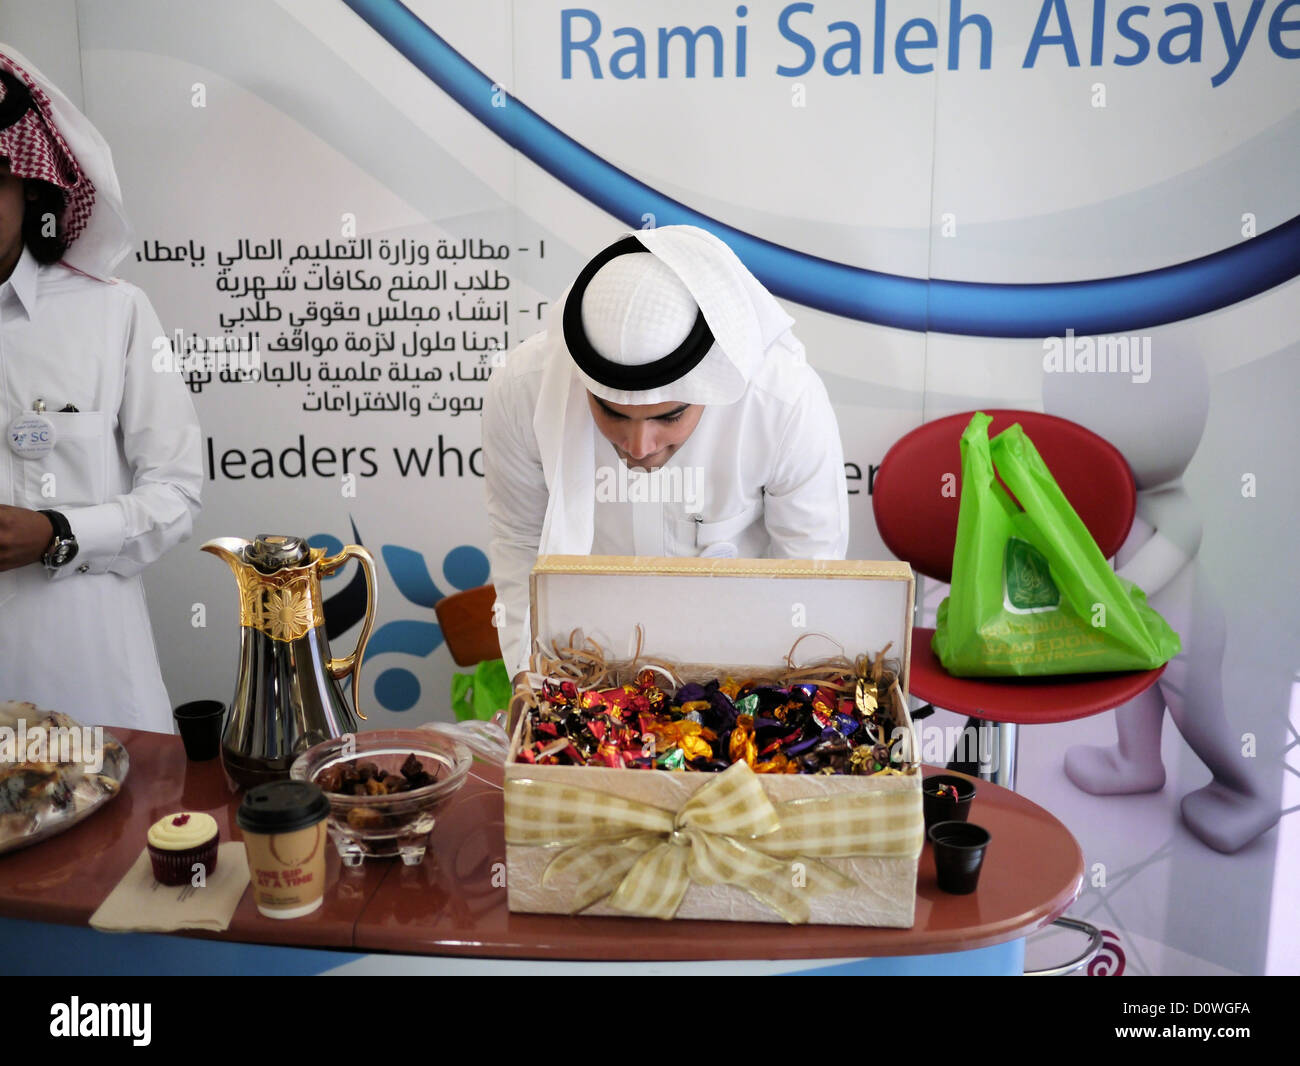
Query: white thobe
(763, 477)
(126, 471)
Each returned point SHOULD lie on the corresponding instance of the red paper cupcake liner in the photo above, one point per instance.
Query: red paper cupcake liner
(177, 867)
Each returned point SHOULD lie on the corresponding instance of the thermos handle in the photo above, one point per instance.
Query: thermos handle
(351, 664)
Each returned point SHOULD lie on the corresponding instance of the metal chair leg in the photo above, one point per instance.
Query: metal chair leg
(1002, 742)
(965, 756)
(1089, 953)
(987, 750)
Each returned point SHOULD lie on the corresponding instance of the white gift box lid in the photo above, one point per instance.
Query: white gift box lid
(699, 612)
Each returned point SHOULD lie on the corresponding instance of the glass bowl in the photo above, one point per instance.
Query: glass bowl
(383, 827)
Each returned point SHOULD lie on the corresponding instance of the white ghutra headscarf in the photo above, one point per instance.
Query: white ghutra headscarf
(678, 319)
(102, 239)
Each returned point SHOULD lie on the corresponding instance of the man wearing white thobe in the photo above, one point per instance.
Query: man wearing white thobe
(666, 410)
(101, 469)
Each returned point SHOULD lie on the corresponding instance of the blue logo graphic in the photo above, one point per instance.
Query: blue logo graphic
(979, 309)
(464, 567)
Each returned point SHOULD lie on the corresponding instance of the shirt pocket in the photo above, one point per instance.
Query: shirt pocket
(691, 536)
(75, 473)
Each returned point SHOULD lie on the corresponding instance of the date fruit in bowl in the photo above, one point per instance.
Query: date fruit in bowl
(384, 787)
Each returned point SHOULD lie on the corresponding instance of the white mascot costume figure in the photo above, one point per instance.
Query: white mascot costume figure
(1157, 425)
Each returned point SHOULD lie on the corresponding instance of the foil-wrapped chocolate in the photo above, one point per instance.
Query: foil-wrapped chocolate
(835, 727)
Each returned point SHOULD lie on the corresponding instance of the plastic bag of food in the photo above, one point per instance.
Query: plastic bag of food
(1031, 592)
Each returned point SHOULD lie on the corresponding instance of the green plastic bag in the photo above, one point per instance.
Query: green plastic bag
(1031, 592)
(481, 694)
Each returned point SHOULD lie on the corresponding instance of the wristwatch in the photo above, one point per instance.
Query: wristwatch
(63, 548)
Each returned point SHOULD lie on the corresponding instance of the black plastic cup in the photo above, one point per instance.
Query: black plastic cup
(958, 855)
(944, 808)
(200, 726)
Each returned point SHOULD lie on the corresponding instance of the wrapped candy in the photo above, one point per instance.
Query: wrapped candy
(608, 754)
(866, 696)
(647, 683)
(741, 744)
(673, 760)
(835, 726)
(563, 694)
(696, 747)
(845, 723)
(691, 737)
(621, 702)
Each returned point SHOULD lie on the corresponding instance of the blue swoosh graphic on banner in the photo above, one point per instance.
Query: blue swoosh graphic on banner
(981, 309)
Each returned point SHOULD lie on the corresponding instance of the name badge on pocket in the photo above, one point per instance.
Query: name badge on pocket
(31, 436)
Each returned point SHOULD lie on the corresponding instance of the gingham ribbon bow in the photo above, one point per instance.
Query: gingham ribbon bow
(643, 858)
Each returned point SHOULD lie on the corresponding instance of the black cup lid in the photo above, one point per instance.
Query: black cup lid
(282, 807)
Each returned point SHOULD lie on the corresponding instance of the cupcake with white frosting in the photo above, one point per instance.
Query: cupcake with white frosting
(179, 842)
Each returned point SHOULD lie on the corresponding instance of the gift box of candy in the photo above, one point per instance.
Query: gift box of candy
(716, 739)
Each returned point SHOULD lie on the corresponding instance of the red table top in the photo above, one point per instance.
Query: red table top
(65, 878)
(454, 903)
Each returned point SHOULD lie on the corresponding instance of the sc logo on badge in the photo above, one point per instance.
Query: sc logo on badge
(31, 436)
